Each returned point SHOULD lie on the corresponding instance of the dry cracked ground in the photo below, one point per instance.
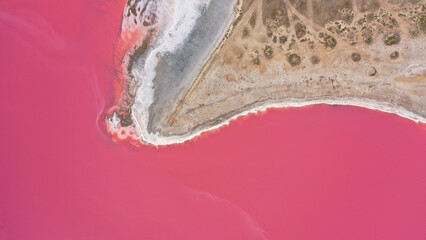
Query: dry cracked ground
(296, 51)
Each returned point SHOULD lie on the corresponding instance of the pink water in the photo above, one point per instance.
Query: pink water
(314, 173)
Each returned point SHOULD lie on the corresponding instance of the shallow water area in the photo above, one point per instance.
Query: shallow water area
(318, 172)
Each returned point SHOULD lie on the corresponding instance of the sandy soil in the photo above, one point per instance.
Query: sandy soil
(289, 53)
(296, 53)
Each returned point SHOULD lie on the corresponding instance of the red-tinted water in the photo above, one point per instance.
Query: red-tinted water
(313, 173)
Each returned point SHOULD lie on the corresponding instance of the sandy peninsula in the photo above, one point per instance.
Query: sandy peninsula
(251, 55)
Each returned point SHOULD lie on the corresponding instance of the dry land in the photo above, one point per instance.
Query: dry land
(279, 53)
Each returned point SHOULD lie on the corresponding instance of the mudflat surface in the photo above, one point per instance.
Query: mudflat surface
(176, 71)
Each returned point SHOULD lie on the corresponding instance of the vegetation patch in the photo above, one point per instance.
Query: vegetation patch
(356, 57)
(283, 39)
(294, 59)
(252, 20)
(392, 39)
(315, 60)
(372, 72)
(300, 30)
(422, 23)
(330, 42)
(256, 61)
(394, 55)
(268, 52)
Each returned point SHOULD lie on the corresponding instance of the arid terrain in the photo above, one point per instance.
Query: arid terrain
(279, 53)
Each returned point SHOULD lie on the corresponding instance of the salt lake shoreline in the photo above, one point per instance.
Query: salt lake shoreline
(140, 116)
(369, 104)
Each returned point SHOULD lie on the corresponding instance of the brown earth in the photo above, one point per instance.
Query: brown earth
(311, 50)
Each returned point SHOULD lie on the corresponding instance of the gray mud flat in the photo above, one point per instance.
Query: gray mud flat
(176, 71)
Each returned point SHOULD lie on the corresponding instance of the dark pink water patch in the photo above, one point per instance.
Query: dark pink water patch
(314, 173)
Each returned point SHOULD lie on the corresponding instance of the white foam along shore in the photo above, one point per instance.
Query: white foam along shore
(370, 104)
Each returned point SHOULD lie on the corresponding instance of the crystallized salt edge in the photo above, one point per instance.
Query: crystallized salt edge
(158, 140)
